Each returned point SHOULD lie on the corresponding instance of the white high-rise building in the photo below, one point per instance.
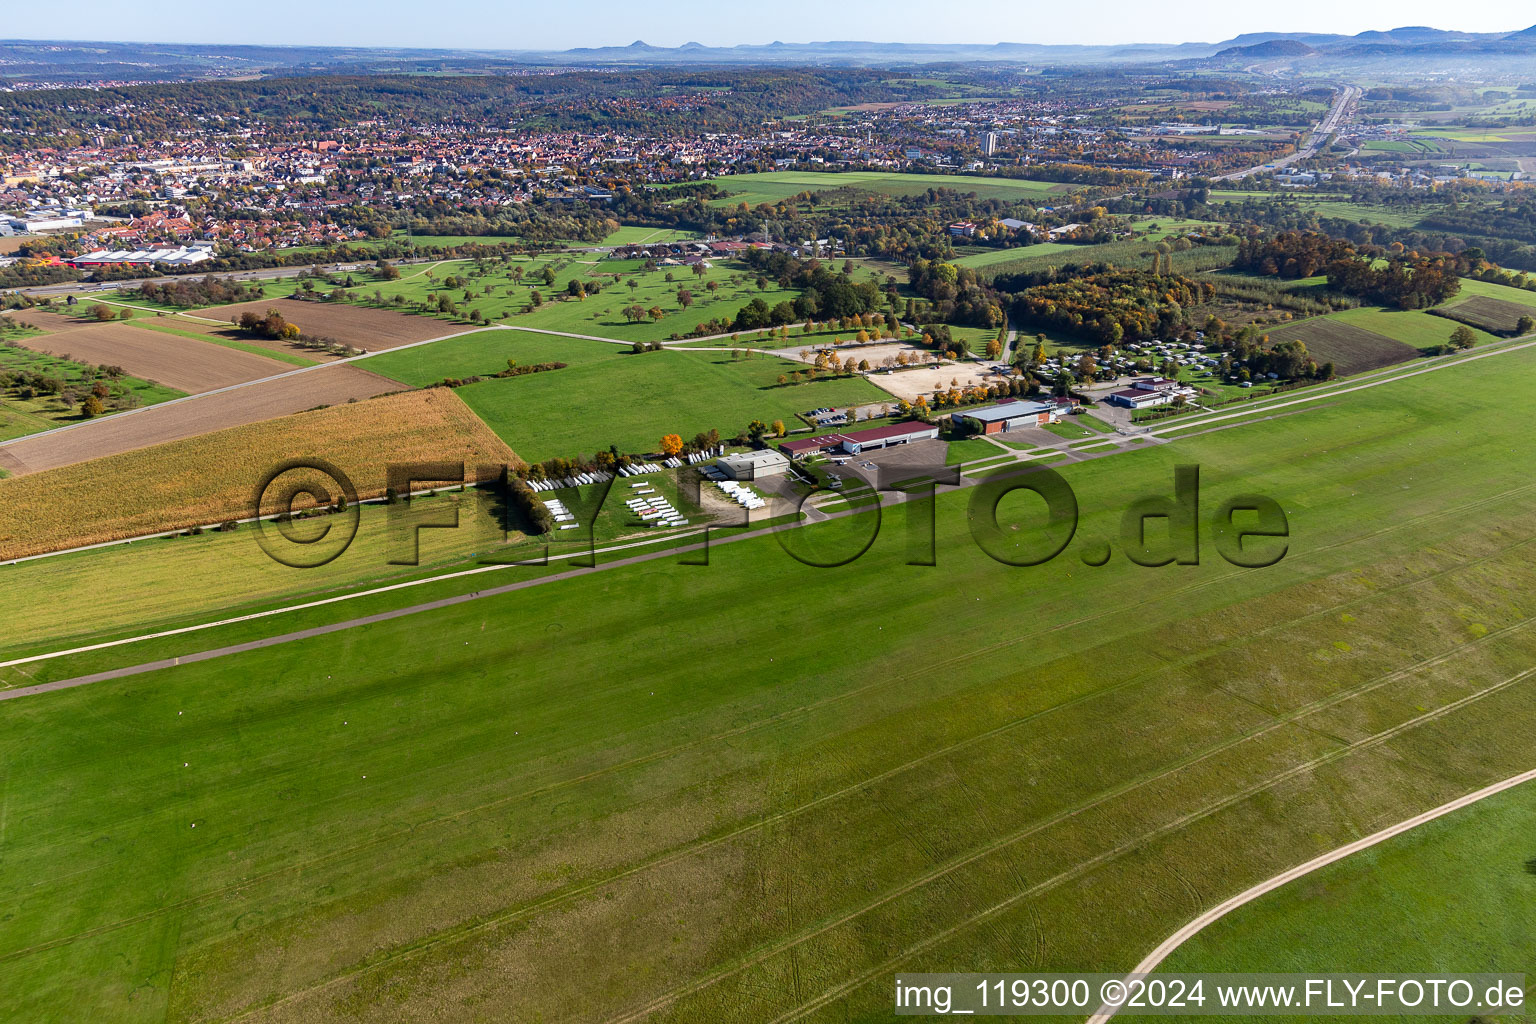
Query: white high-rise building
(989, 143)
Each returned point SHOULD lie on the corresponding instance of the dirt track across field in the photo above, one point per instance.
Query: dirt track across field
(359, 326)
(180, 363)
(172, 421)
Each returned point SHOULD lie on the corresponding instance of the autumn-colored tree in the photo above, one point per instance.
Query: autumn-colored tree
(91, 407)
(671, 444)
(778, 427)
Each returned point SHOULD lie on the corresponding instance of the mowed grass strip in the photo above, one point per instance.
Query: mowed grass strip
(212, 478)
(188, 329)
(479, 805)
(188, 364)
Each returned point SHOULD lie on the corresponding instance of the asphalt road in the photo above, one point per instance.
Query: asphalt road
(1326, 127)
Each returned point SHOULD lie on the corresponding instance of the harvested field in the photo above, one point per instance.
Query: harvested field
(180, 363)
(1350, 349)
(371, 329)
(1492, 315)
(172, 421)
(212, 478)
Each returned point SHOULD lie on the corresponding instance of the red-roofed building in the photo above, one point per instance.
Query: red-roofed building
(857, 442)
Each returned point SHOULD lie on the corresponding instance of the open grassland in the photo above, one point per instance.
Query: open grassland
(1351, 349)
(1452, 895)
(190, 417)
(22, 413)
(503, 291)
(629, 234)
(212, 478)
(610, 396)
(756, 791)
(773, 186)
(183, 363)
(992, 257)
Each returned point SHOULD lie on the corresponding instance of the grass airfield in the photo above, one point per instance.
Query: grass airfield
(755, 790)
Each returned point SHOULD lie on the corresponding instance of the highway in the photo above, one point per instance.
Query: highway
(262, 274)
(1347, 97)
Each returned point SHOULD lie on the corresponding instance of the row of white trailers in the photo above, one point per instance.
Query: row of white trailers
(572, 481)
(653, 508)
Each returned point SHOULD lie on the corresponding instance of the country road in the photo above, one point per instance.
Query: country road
(1151, 961)
(1348, 96)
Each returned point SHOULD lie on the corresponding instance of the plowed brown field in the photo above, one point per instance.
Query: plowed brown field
(180, 363)
(371, 329)
(201, 414)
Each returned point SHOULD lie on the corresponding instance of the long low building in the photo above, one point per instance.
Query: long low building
(753, 465)
(999, 419)
(179, 257)
(1150, 391)
(858, 442)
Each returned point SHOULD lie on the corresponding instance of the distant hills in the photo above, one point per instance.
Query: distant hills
(78, 61)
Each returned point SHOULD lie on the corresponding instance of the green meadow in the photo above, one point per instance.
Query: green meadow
(1449, 896)
(757, 789)
(608, 395)
(629, 400)
(773, 186)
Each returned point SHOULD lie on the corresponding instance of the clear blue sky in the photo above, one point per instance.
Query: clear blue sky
(519, 24)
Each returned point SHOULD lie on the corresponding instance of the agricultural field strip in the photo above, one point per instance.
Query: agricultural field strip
(860, 691)
(164, 534)
(1130, 846)
(1216, 913)
(264, 380)
(157, 312)
(954, 864)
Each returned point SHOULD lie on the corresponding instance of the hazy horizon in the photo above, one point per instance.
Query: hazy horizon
(478, 25)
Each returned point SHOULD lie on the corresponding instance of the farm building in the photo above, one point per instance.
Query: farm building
(998, 419)
(859, 441)
(753, 465)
